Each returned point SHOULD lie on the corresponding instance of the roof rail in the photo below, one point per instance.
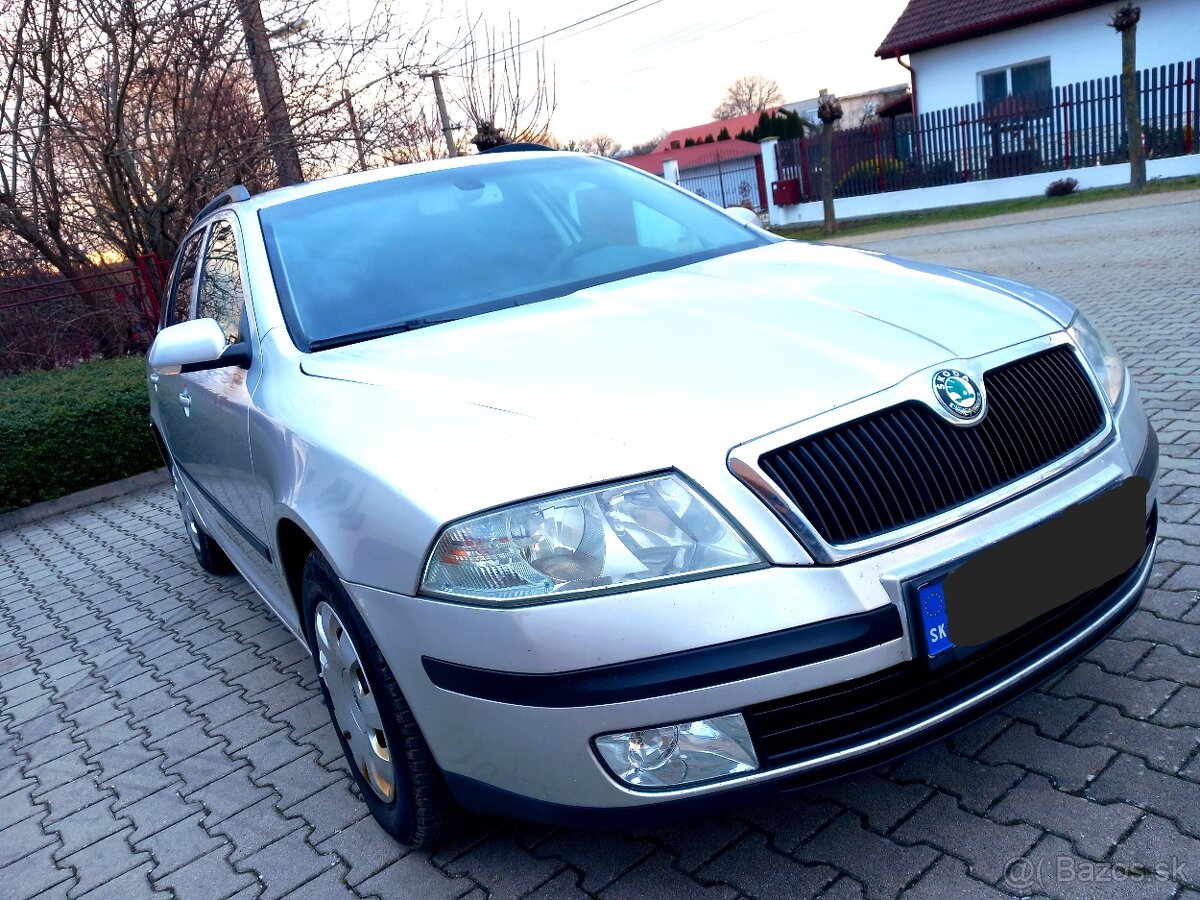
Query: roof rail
(516, 148)
(235, 194)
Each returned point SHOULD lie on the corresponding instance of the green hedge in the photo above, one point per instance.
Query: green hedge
(70, 429)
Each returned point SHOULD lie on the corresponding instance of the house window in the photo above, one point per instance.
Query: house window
(1029, 81)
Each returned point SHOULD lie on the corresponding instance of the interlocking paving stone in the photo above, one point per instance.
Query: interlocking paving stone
(211, 877)
(1128, 779)
(288, 863)
(1094, 828)
(881, 803)
(949, 878)
(981, 843)
(1162, 748)
(364, 847)
(1157, 843)
(101, 862)
(753, 868)
(508, 870)
(1135, 697)
(602, 857)
(159, 729)
(882, 865)
(658, 877)
(255, 827)
(1182, 709)
(1054, 870)
(413, 876)
(1051, 716)
(36, 873)
(976, 785)
(1070, 767)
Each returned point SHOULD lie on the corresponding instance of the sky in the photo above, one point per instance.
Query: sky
(664, 64)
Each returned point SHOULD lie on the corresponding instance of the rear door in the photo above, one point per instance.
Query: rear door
(214, 452)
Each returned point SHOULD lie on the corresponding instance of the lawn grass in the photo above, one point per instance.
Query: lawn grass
(867, 224)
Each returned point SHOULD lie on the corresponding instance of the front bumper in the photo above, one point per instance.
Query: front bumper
(509, 700)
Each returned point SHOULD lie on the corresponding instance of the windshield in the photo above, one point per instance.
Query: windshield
(378, 258)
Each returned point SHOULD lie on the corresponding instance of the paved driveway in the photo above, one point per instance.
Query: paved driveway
(161, 733)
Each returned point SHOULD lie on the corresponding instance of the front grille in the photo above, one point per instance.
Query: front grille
(905, 463)
(855, 712)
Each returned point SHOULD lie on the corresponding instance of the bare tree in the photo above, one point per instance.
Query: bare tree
(749, 94)
(504, 82)
(1125, 21)
(599, 145)
(119, 120)
(829, 111)
(648, 146)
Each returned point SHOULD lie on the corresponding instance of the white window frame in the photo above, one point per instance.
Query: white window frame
(1007, 70)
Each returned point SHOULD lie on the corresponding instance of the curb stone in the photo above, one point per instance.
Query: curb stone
(38, 511)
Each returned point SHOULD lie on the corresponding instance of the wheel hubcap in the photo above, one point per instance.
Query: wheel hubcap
(355, 712)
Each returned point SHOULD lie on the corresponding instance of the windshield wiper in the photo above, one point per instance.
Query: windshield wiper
(358, 337)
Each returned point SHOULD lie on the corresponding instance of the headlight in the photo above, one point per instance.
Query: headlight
(607, 538)
(1101, 357)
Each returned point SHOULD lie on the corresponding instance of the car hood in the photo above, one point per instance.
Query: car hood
(723, 350)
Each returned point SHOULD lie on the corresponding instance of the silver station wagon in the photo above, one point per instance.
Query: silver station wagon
(595, 502)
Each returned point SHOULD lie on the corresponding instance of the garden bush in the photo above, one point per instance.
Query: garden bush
(69, 429)
(864, 177)
(1061, 187)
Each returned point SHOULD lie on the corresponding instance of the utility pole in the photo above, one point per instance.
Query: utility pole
(447, 128)
(270, 93)
(358, 135)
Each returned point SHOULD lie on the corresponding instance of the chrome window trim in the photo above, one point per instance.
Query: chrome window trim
(743, 459)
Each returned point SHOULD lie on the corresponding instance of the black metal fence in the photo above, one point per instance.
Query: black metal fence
(47, 320)
(1072, 126)
(729, 182)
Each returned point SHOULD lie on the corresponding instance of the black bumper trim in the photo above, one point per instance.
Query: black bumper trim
(687, 670)
(490, 800)
(1147, 467)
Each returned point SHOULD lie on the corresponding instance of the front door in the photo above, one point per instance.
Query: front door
(214, 453)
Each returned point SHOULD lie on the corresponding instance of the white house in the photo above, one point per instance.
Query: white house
(856, 108)
(968, 51)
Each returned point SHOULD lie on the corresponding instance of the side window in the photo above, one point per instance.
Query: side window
(221, 295)
(181, 298)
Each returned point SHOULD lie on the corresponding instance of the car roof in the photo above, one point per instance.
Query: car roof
(336, 182)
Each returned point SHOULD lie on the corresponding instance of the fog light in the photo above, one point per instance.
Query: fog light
(671, 755)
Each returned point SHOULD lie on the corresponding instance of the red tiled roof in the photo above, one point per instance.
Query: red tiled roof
(699, 132)
(932, 23)
(693, 157)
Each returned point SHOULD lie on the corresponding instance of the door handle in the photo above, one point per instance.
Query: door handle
(185, 400)
(154, 378)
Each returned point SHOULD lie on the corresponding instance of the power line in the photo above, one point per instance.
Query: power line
(560, 30)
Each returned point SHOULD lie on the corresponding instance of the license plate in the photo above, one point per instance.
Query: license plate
(932, 604)
(1018, 579)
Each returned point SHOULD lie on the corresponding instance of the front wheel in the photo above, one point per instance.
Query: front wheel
(393, 766)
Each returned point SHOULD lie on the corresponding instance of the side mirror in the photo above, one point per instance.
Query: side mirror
(194, 346)
(743, 215)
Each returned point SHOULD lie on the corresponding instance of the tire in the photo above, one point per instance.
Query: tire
(418, 808)
(212, 559)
